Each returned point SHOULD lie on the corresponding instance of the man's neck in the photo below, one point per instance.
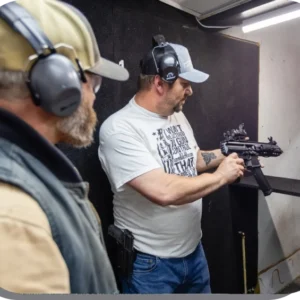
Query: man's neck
(151, 102)
(34, 116)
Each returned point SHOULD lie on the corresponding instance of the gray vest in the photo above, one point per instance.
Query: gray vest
(74, 226)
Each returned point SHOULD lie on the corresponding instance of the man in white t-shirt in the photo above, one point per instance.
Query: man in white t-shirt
(152, 160)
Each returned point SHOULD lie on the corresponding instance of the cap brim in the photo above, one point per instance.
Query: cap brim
(109, 70)
(194, 76)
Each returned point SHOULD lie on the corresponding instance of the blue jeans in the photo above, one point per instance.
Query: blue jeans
(155, 275)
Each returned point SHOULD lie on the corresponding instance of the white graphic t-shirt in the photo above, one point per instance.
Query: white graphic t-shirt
(134, 141)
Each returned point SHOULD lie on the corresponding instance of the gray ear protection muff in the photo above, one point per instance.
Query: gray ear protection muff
(162, 60)
(53, 81)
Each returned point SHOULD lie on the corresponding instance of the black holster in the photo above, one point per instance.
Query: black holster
(125, 251)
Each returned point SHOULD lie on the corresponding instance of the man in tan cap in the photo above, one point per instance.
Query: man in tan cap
(50, 70)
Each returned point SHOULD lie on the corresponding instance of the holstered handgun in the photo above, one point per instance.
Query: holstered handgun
(125, 251)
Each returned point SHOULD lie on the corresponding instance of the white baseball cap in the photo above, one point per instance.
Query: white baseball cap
(187, 70)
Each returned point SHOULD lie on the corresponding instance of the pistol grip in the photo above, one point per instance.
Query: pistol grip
(260, 177)
(238, 180)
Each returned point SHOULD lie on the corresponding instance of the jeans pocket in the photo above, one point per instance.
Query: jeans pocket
(144, 263)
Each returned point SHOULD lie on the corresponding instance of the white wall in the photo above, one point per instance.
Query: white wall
(279, 116)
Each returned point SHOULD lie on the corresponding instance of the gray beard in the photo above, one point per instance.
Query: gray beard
(78, 129)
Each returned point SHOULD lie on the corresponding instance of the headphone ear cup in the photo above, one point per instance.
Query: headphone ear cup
(168, 68)
(55, 85)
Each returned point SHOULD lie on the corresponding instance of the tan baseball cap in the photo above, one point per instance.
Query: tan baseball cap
(64, 25)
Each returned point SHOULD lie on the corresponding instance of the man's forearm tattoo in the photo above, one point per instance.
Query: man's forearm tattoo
(208, 157)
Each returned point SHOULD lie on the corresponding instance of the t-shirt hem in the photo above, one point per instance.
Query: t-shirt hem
(161, 254)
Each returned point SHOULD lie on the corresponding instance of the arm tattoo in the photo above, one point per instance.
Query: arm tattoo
(208, 157)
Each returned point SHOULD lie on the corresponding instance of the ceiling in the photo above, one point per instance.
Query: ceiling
(227, 13)
(202, 8)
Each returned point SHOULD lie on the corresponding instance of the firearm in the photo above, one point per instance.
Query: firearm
(126, 253)
(235, 141)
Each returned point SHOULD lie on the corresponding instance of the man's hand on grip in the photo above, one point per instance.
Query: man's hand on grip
(231, 168)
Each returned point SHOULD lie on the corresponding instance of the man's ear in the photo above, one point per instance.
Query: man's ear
(159, 84)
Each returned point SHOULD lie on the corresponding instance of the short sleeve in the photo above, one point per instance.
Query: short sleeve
(125, 157)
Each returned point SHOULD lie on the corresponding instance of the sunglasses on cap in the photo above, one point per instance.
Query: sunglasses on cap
(94, 80)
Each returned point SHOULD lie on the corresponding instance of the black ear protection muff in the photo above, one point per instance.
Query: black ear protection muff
(162, 60)
(53, 81)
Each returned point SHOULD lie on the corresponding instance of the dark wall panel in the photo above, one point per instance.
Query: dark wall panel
(244, 208)
(100, 15)
(124, 30)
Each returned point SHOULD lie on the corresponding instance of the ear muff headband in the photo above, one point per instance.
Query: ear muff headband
(162, 60)
(166, 62)
(53, 81)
